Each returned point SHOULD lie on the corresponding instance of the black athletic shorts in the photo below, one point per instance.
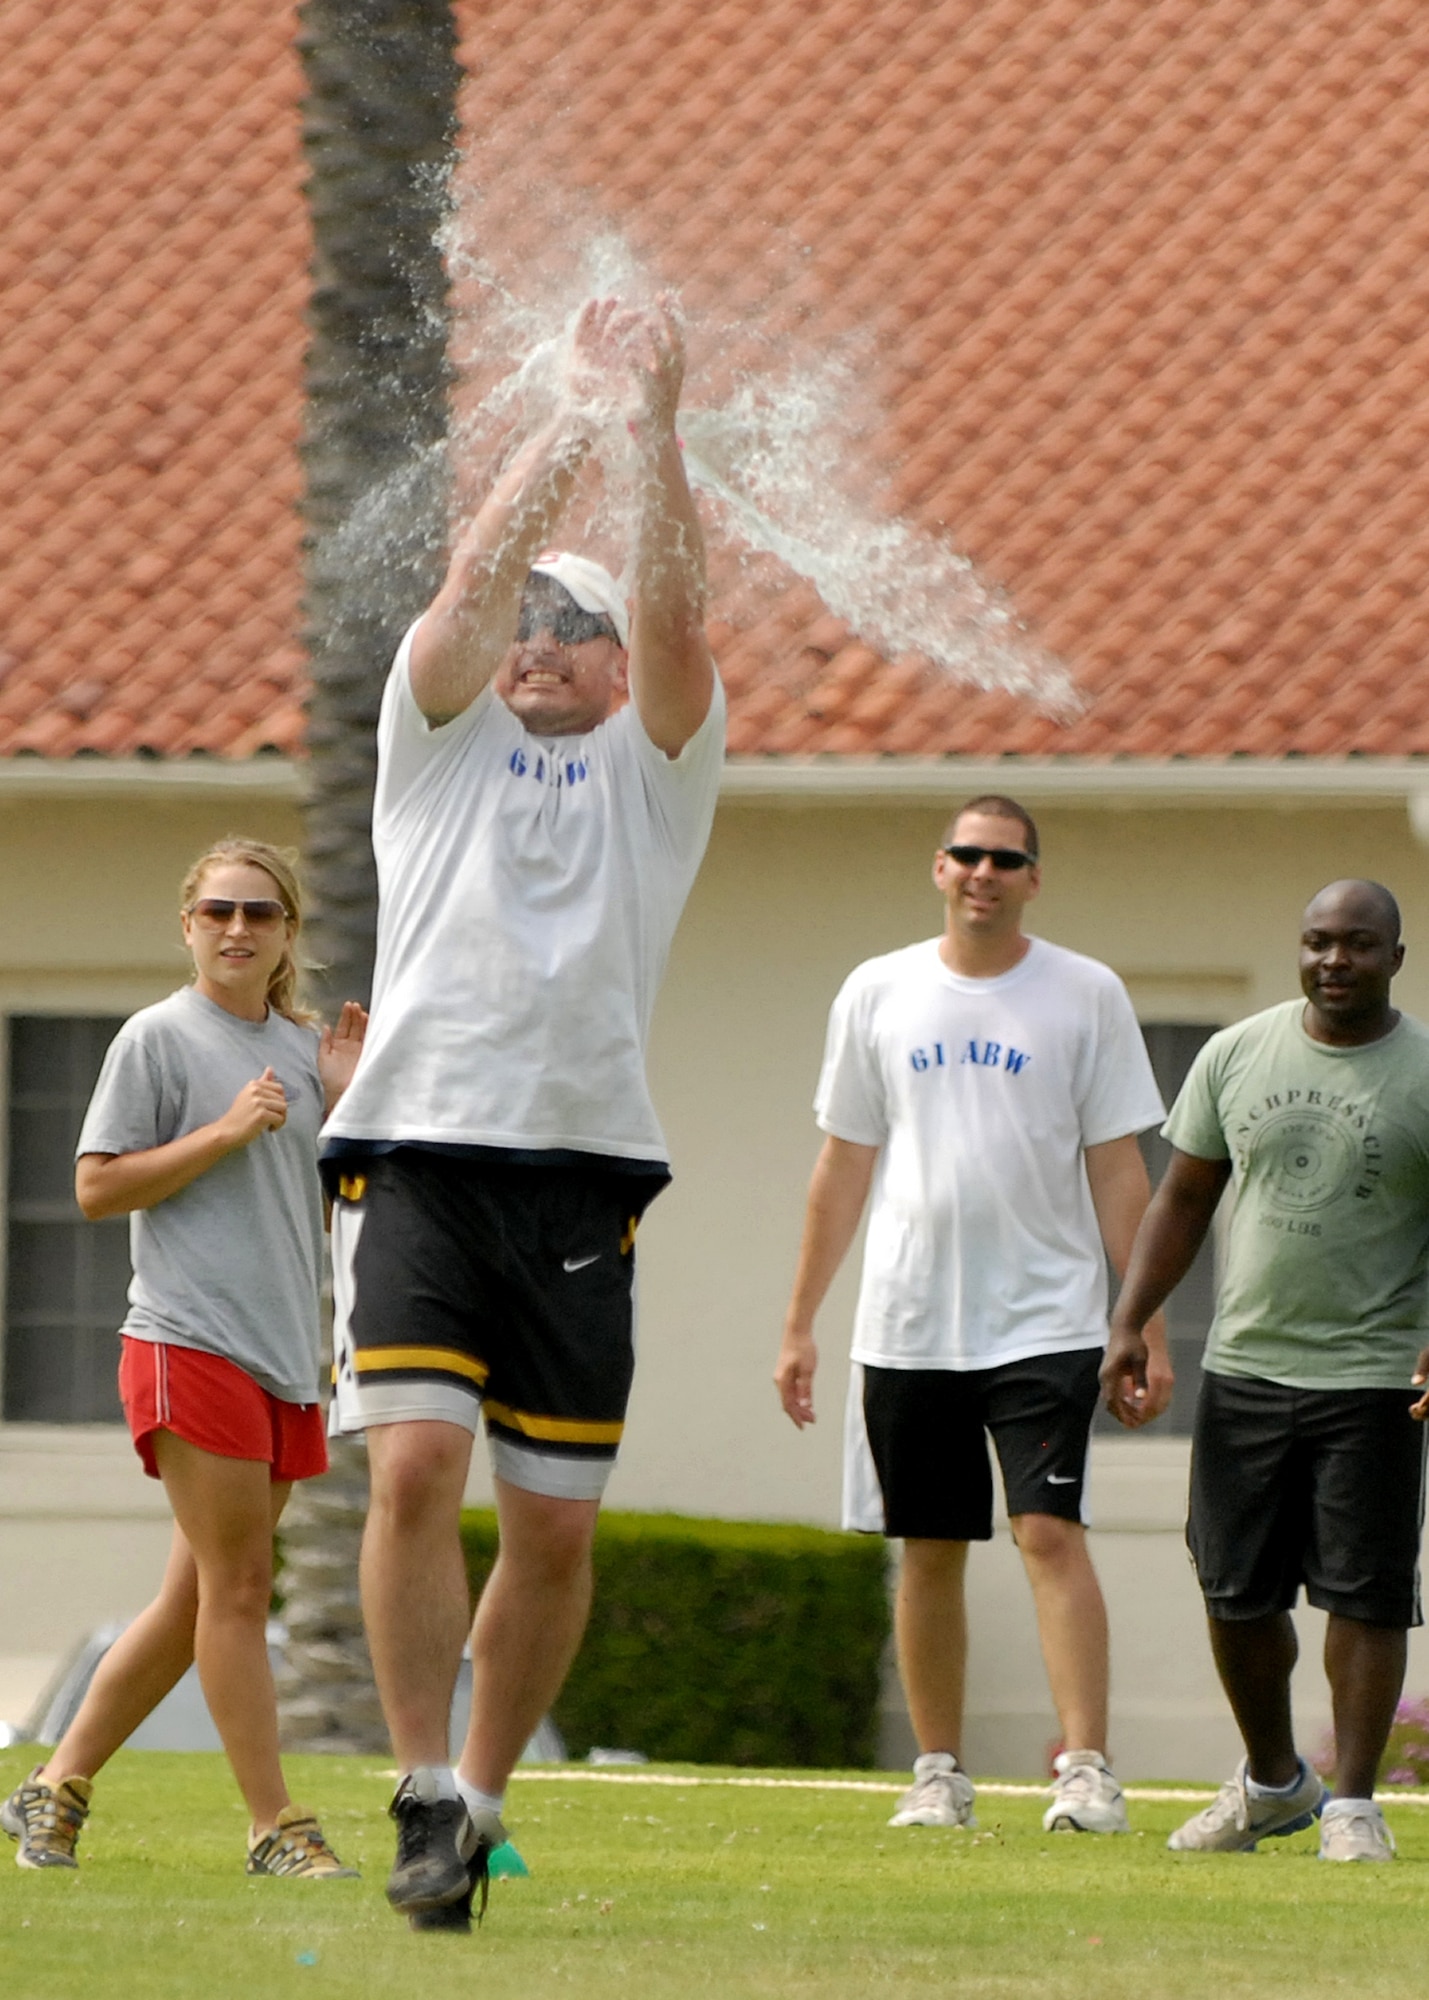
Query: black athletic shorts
(1320, 1487)
(927, 1429)
(465, 1285)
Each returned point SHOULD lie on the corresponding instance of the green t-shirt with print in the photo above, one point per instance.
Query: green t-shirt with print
(1326, 1281)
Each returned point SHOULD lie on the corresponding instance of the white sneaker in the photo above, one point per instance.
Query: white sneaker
(1236, 1819)
(1086, 1798)
(941, 1793)
(1354, 1830)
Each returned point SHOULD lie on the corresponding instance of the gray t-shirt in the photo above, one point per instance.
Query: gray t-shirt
(232, 1263)
(1326, 1284)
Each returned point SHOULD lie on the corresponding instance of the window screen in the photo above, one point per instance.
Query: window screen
(66, 1278)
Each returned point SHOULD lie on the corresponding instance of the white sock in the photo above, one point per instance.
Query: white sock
(476, 1800)
(1350, 1805)
(1258, 1791)
(443, 1780)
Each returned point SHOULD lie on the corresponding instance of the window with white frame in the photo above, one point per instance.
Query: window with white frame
(65, 1279)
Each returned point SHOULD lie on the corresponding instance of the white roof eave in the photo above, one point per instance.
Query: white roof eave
(1147, 783)
(279, 779)
(823, 781)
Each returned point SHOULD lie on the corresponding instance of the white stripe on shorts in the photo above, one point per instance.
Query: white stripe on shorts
(358, 1401)
(545, 1472)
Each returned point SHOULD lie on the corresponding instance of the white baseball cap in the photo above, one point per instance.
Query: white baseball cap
(593, 588)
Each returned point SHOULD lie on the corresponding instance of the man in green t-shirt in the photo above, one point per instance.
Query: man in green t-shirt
(1307, 1464)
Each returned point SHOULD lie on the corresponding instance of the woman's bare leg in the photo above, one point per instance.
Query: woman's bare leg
(226, 1508)
(148, 1658)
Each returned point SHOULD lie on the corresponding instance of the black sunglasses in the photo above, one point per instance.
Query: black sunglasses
(1005, 858)
(567, 623)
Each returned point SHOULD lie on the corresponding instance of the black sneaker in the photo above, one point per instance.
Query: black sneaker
(441, 1855)
(456, 1916)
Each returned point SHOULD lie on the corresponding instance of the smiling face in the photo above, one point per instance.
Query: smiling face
(985, 902)
(1349, 953)
(235, 959)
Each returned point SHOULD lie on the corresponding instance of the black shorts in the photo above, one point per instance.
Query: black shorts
(464, 1286)
(927, 1429)
(1320, 1487)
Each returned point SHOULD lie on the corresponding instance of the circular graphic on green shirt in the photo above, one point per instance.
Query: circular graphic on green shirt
(1303, 1159)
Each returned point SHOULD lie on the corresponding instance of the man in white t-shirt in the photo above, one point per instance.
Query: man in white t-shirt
(536, 837)
(988, 1087)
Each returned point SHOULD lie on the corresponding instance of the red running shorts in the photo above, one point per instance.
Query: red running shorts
(214, 1404)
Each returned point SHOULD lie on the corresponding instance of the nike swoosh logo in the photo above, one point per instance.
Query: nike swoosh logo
(579, 1263)
(1061, 1478)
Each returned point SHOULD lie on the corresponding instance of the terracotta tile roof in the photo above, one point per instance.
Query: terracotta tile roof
(1145, 283)
(1148, 285)
(153, 253)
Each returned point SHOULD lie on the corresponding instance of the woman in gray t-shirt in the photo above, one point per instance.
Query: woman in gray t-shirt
(203, 1129)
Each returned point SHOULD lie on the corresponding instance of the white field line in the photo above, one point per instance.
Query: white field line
(1142, 1793)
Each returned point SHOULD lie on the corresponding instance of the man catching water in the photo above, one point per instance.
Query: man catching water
(536, 837)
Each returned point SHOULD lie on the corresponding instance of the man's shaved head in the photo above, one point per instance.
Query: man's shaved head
(1349, 954)
(1365, 900)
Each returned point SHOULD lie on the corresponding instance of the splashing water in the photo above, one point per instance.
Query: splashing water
(777, 443)
(772, 460)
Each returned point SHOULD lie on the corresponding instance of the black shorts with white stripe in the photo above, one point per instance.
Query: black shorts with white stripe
(466, 1285)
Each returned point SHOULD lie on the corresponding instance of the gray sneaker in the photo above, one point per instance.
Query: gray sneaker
(1236, 1820)
(1354, 1830)
(46, 1820)
(1086, 1798)
(941, 1793)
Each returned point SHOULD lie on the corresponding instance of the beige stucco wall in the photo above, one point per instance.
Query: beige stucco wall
(1196, 907)
(89, 894)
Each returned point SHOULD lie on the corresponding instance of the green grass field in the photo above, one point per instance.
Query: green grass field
(652, 1889)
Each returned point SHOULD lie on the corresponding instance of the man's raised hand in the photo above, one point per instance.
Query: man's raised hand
(626, 362)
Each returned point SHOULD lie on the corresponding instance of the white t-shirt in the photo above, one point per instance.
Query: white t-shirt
(982, 1243)
(529, 891)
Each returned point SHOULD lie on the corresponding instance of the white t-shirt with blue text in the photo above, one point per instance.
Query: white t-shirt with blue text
(529, 891)
(982, 1244)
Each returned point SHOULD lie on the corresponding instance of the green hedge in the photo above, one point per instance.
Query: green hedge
(722, 1642)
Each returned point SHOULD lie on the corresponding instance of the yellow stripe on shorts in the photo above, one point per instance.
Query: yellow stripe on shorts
(554, 1430)
(386, 1360)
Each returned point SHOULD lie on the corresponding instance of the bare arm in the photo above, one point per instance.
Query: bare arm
(1121, 1188)
(671, 667)
(837, 1193)
(1171, 1232)
(463, 635)
(116, 1183)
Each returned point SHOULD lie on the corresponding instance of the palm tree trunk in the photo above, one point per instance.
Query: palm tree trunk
(379, 132)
